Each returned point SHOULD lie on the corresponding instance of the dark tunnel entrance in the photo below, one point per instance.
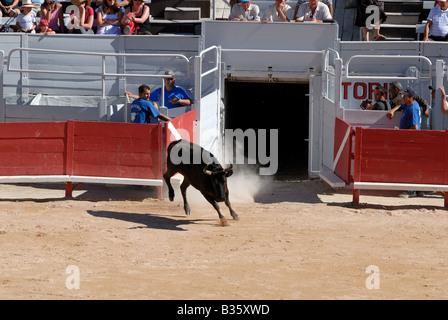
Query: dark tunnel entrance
(281, 106)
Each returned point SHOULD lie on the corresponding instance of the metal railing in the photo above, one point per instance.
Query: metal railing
(387, 57)
(103, 74)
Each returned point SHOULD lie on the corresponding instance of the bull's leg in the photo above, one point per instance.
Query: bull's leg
(232, 213)
(183, 189)
(215, 205)
(167, 176)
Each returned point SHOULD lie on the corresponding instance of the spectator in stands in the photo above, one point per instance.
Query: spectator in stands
(122, 4)
(278, 12)
(174, 97)
(362, 16)
(9, 8)
(142, 110)
(36, 9)
(44, 27)
(314, 11)
(437, 23)
(444, 103)
(245, 11)
(136, 18)
(329, 4)
(109, 18)
(53, 13)
(82, 21)
(26, 20)
(381, 103)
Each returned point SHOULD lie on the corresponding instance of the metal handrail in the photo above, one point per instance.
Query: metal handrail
(103, 74)
(386, 57)
(216, 57)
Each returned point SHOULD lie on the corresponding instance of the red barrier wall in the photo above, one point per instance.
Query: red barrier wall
(33, 148)
(185, 125)
(101, 149)
(401, 156)
(343, 149)
(119, 150)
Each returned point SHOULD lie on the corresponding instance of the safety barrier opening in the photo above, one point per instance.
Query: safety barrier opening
(273, 106)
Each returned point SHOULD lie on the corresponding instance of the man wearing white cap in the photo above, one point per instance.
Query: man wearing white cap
(437, 23)
(245, 11)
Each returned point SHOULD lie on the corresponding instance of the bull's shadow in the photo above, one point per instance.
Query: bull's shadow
(145, 220)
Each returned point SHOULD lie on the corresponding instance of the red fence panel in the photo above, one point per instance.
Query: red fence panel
(401, 156)
(343, 139)
(32, 148)
(119, 150)
(185, 124)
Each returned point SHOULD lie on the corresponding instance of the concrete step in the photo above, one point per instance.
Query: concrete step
(403, 17)
(403, 6)
(398, 31)
(182, 13)
(158, 6)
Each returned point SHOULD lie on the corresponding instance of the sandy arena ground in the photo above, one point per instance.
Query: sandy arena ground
(295, 240)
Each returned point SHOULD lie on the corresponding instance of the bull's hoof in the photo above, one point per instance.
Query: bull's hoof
(223, 222)
(235, 217)
(187, 211)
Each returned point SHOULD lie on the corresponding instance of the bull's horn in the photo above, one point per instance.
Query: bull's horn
(229, 168)
(208, 172)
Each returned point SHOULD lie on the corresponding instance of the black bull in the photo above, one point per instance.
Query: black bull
(201, 170)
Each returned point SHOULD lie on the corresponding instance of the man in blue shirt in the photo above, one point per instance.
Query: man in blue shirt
(174, 96)
(411, 117)
(143, 111)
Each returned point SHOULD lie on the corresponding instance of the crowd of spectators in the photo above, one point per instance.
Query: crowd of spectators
(280, 11)
(133, 16)
(80, 16)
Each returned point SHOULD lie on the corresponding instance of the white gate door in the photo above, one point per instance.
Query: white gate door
(207, 101)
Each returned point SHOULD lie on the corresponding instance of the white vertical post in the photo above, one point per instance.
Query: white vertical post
(2, 99)
(437, 114)
(163, 92)
(102, 110)
(197, 94)
(337, 84)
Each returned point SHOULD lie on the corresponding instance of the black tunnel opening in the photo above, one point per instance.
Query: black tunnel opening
(280, 106)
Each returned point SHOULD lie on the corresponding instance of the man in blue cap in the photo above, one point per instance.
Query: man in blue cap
(411, 117)
(175, 96)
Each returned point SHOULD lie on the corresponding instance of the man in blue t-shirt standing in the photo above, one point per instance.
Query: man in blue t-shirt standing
(175, 96)
(411, 117)
(143, 111)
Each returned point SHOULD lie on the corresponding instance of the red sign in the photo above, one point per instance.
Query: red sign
(360, 90)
